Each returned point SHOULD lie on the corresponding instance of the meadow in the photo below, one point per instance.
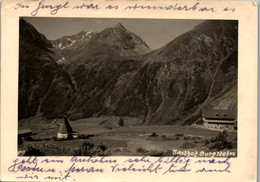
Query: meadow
(117, 140)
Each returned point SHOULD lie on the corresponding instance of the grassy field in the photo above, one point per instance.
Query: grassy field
(120, 140)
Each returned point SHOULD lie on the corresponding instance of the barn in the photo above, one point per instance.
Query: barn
(219, 119)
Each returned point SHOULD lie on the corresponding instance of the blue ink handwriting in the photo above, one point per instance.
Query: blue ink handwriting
(26, 176)
(51, 161)
(29, 165)
(87, 6)
(19, 5)
(175, 7)
(101, 160)
(214, 161)
(179, 7)
(54, 8)
(30, 168)
(75, 169)
(152, 168)
(143, 159)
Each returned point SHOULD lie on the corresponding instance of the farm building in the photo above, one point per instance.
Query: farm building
(219, 119)
(23, 133)
(65, 131)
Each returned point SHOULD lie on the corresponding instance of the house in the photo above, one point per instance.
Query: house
(219, 119)
(22, 133)
(65, 131)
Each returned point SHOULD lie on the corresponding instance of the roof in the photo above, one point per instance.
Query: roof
(24, 131)
(219, 114)
(65, 127)
(220, 121)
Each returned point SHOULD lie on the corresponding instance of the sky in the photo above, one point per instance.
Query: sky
(155, 32)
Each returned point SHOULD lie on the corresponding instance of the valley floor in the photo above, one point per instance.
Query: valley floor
(153, 140)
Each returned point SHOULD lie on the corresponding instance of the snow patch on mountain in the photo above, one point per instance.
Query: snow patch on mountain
(68, 41)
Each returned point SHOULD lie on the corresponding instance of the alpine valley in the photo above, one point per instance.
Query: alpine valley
(115, 73)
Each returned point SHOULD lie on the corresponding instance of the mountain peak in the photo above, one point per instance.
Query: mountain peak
(119, 25)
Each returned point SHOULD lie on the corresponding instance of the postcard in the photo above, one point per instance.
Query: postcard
(128, 90)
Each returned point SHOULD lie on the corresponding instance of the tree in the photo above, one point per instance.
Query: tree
(220, 142)
(121, 122)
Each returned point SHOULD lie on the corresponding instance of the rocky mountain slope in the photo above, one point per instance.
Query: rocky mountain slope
(194, 71)
(65, 44)
(116, 74)
(45, 88)
(173, 84)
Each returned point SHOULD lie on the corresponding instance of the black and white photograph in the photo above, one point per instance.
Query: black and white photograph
(127, 87)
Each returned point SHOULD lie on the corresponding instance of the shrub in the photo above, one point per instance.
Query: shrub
(31, 151)
(102, 147)
(179, 134)
(89, 149)
(221, 145)
(196, 138)
(220, 142)
(187, 138)
(154, 134)
(206, 141)
(141, 150)
(83, 136)
(163, 136)
(121, 122)
(222, 136)
(156, 153)
(187, 145)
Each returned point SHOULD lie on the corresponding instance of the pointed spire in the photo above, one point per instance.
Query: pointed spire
(65, 127)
